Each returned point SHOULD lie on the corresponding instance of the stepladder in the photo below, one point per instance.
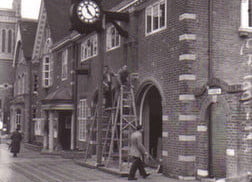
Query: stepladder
(123, 122)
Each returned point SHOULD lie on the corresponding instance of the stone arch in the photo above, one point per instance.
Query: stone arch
(214, 115)
(149, 106)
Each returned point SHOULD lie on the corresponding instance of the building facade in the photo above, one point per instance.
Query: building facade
(190, 63)
(8, 27)
(20, 104)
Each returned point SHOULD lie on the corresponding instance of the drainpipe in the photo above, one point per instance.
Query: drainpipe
(75, 88)
(210, 40)
(210, 68)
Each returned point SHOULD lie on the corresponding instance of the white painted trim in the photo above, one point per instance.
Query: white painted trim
(189, 77)
(230, 152)
(183, 57)
(164, 153)
(165, 118)
(187, 37)
(186, 97)
(165, 134)
(187, 16)
(187, 138)
(187, 117)
(201, 172)
(128, 5)
(202, 128)
(189, 158)
(188, 178)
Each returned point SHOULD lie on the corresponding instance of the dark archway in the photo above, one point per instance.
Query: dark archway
(150, 114)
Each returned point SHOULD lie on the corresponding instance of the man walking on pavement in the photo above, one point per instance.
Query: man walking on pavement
(137, 150)
(16, 138)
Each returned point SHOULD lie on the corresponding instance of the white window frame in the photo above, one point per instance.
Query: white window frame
(46, 80)
(112, 41)
(82, 119)
(89, 48)
(64, 70)
(245, 16)
(151, 9)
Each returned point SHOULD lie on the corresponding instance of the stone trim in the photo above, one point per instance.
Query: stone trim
(202, 128)
(187, 37)
(186, 97)
(187, 138)
(187, 16)
(190, 77)
(164, 153)
(165, 134)
(201, 172)
(187, 117)
(184, 158)
(183, 57)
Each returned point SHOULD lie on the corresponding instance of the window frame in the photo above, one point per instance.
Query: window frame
(246, 16)
(4, 35)
(82, 119)
(110, 38)
(150, 8)
(91, 50)
(64, 68)
(44, 77)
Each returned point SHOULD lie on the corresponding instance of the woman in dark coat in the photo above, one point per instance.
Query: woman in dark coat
(16, 138)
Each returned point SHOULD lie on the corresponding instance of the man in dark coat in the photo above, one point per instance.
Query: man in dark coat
(137, 150)
(16, 138)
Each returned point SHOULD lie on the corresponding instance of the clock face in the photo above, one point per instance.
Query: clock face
(88, 11)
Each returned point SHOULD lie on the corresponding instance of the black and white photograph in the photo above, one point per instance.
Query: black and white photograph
(125, 90)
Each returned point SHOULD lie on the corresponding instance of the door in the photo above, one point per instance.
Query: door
(217, 141)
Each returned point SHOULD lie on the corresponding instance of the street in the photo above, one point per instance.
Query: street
(31, 166)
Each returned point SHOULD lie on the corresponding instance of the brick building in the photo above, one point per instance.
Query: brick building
(193, 65)
(8, 30)
(20, 110)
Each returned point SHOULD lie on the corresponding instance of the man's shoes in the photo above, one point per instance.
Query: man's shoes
(132, 178)
(145, 176)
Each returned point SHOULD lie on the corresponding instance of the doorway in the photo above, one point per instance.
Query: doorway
(217, 140)
(151, 119)
(65, 129)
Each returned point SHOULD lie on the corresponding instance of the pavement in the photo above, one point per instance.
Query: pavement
(31, 166)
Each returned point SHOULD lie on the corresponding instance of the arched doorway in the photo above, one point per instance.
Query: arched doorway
(217, 133)
(150, 116)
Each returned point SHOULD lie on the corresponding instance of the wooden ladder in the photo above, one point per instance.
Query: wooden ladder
(122, 125)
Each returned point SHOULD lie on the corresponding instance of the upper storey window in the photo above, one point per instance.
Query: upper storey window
(47, 72)
(113, 38)
(246, 14)
(155, 17)
(7, 39)
(64, 69)
(89, 48)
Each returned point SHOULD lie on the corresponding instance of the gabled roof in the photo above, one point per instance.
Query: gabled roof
(58, 18)
(61, 94)
(28, 32)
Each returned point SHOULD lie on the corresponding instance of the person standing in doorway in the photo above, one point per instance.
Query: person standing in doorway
(16, 138)
(137, 150)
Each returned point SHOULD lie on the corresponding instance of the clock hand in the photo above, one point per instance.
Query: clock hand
(89, 12)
